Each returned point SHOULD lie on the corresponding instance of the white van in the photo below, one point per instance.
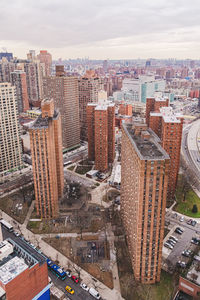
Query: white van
(94, 293)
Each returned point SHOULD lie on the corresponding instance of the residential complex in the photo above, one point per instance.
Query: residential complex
(47, 160)
(18, 79)
(64, 91)
(101, 134)
(10, 146)
(89, 85)
(144, 179)
(168, 126)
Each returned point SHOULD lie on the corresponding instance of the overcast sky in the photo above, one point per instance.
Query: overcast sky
(102, 29)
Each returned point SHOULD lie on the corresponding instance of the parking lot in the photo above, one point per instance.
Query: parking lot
(172, 256)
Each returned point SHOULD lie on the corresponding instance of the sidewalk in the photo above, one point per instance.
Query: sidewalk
(49, 251)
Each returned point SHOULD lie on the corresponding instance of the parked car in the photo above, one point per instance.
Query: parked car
(181, 219)
(179, 230)
(168, 246)
(173, 238)
(68, 272)
(181, 264)
(75, 279)
(84, 287)
(171, 242)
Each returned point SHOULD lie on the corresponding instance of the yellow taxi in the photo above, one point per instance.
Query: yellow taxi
(69, 290)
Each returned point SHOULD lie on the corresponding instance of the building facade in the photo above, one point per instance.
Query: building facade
(47, 160)
(101, 134)
(144, 179)
(23, 274)
(33, 72)
(64, 91)
(89, 85)
(45, 58)
(18, 79)
(168, 126)
(10, 146)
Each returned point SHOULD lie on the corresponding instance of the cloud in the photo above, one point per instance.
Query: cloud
(68, 27)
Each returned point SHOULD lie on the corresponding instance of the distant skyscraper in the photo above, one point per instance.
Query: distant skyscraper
(46, 58)
(34, 81)
(10, 146)
(64, 91)
(144, 173)
(6, 68)
(101, 134)
(47, 160)
(89, 85)
(18, 79)
(8, 56)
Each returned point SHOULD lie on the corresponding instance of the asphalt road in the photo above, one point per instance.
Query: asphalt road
(79, 294)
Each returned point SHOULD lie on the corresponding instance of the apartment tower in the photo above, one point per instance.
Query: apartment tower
(89, 85)
(10, 146)
(45, 58)
(101, 134)
(47, 160)
(144, 173)
(168, 126)
(18, 79)
(33, 72)
(64, 90)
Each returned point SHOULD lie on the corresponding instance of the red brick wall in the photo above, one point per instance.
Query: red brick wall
(28, 284)
(184, 283)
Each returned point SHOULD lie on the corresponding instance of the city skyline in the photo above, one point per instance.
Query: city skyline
(100, 28)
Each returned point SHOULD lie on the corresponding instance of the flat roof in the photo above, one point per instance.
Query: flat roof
(12, 269)
(147, 149)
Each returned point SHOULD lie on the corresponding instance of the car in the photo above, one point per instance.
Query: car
(185, 253)
(16, 233)
(193, 223)
(181, 264)
(179, 230)
(195, 241)
(189, 221)
(173, 238)
(75, 279)
(168, 246)
(68, 272)
(69, 290)
(84, 287)
(181, 219)
(171, 242)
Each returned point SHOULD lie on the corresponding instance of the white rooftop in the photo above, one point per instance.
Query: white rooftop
(168, 115)
(12, 269)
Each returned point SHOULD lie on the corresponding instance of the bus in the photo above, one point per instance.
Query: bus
(67, 163)
(56, 270)
(6, 225)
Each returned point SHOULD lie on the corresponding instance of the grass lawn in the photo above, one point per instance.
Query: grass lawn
(185, 207)
(83, 169)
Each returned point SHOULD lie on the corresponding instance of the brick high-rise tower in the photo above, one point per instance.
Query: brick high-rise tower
(18, 79)
(47, 160)
(144, 176)
(64, 91)
(46, 58)
(154, 104)
(89, 85)
(10, 146)
(169, 128)
(101, 134)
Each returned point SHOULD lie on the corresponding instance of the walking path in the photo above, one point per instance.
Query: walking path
(52, 253)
